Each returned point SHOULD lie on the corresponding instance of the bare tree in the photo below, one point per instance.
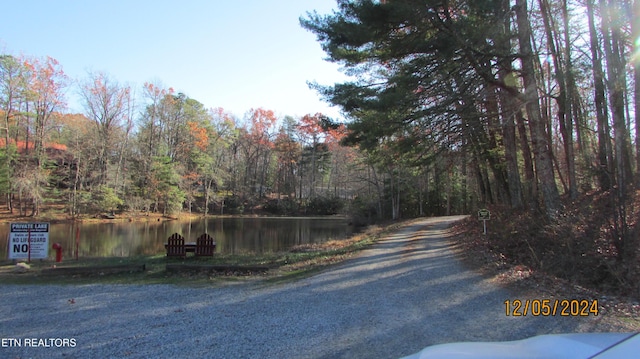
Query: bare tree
(107, 104)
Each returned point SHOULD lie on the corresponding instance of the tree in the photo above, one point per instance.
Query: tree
(563, 69)
(539, 137)
(223, 170)
(164, 183)
(635, 59)
(108, 105)
(76, 132)
(288, 153)
(45, 92)
(425, 72)
(310, 132)
(613, 48)
(605, 155)
(105, 198)
(257, 143)
(43, 95)
(13, 85)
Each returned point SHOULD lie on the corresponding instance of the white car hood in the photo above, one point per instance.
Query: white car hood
(569, 346)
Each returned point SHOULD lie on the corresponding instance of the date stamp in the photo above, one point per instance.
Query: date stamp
(551, 307)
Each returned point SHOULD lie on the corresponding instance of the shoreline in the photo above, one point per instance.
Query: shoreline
(6, 217)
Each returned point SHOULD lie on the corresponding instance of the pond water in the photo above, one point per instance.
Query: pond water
(233, 235)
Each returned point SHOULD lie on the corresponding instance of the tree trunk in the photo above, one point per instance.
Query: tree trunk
(613, 53)
(564, 95)
(539, 138)
(605, 169)
(207, 191)
(507, 109)
(511, 158)
(635, 31)
(505, 73)
(497, 167)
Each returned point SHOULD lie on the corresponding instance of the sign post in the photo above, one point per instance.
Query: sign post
(29, 240)
(484, 215)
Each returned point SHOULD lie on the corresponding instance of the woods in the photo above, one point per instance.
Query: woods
(526, 107)
(160, 151)
(529, 107)
(451, 106)
(531, 100)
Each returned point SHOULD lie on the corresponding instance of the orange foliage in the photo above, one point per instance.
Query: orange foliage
(76, 122)
(310, 125)
(262, 121)
(200, 136)
(191, 176)
(46, 82)
(21, 145)
(287, 148)
(154, 91)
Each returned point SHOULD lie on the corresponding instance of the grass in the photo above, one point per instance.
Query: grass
(298, 262)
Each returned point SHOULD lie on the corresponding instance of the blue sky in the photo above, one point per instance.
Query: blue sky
(238, 54)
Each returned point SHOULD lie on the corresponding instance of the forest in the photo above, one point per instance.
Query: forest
(453, 104)
(529, 106)
(163, 152)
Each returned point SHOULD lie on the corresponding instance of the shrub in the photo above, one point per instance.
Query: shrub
(285, 206)
(106, 199)
(324, 205)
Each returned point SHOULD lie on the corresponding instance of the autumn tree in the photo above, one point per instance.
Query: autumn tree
(288, 152)
(43, 95)
(13, 86)
(198, 158)
(310, 132)
(256, 143)
(221, 172)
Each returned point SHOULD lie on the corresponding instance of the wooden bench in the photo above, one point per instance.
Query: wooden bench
(175, 246)
(205, 246)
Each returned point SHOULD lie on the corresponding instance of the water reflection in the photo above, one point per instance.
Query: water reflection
(233, 235)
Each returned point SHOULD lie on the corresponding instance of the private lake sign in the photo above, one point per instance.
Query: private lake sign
(28, 240)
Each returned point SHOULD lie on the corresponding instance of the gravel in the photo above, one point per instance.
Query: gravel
(402, 294)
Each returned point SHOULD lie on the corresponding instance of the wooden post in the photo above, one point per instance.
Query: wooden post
(29, 243)
(77, 241)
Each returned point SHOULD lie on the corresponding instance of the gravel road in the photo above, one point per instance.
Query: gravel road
(406, 292)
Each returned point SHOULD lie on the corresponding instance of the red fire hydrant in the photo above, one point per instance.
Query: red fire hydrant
(58, 248)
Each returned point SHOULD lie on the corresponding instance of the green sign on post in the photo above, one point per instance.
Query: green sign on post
(484, 215)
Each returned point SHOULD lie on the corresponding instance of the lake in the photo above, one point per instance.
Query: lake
(234, 235)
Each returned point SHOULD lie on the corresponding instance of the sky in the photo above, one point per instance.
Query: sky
(238, 54)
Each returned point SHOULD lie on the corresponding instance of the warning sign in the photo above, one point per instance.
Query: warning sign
(29, 241)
